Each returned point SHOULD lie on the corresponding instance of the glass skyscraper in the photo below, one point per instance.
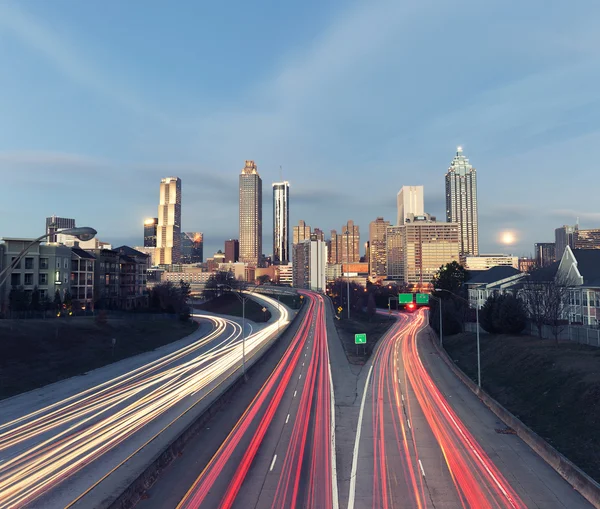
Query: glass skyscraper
(250, 215)
(168, 231)
(461, 203)
(281, 223)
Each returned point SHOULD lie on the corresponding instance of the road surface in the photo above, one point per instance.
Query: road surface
(280, 452)
(52, 454)
(424, 441)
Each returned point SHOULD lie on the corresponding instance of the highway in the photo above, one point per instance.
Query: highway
(52, 455)
(280, 453)
(423, 441)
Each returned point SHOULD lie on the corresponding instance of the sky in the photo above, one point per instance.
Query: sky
(352, 100)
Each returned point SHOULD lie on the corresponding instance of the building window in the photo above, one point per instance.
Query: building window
(57, 276)
(29, 263)
(18, 266)
(66, 264)
(585, 298)
(43, 294)
(15, 279)
(43, 263)
(28, 279)
(58, 262)
(43, 279)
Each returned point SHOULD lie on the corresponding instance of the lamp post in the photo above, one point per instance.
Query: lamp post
(347, 233)
(83, 233)
(477, 320)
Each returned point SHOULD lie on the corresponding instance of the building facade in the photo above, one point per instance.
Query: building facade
(487, 261)
(55, 223)
(134, 267)
(150, 229)
(587, 239)
(281, 223)
(192, 247)
(377, 248)
(82, 279)
(310, 265)
(563, 237)
(232, 251)
(394, 248)
(545, 253)
(301, 232)
(168, 241)
(319, 234)
(250, 215)
(348, 244)
(461, 203)
(410, 201)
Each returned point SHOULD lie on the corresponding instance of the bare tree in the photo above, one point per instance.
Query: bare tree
(546, 303)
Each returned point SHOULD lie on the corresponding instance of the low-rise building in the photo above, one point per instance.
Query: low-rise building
(82, 279)
(487, 261)
(134, 278)
(497, 280)
(107, 278)
(285, 274)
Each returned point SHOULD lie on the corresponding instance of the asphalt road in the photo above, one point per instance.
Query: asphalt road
(280, 451)
(56, 443)
(425, 441)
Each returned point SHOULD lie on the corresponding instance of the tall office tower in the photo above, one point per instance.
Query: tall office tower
(150, 227)
(545, 253)
(377, 248)
(310, 264)
(232, 251)
(349, 244)
(563, 237)
(281, 223)
(301, 232)
(55, 223)
(250, 215)
(394, 249)
(461, 203)
(320, 234)
(333, 252)
(587, 239)
(168, 232)
(192, 247)
(410, 201)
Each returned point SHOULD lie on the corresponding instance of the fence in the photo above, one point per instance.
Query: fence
(577, 333)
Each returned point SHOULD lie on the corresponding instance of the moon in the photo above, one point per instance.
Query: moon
(508, 238)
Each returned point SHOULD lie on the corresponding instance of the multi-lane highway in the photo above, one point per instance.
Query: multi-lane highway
(280, 452)
(53, 454)
(422, 441)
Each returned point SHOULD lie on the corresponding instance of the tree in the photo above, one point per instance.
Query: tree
(371, 308)
(68, 301)
(57, 301)
(265, 278)
(512, 317)
(35, 300)
(486, 314)
(450, 277)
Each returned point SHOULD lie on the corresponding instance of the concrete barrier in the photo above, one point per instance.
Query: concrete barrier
(570, 472)
(222, 394)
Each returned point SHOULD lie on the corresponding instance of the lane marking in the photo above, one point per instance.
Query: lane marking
(408, 421)
(300, 376)
(273, 463)
(334, 482)
(287, 418)
(422, 471)
(356, 444)
(302, 364)
(295, 393)
(402, 397)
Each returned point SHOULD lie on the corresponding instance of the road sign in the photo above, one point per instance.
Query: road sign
(422, 298)
(405, 298)
(360, 339)
(340, 309)
(264, 310)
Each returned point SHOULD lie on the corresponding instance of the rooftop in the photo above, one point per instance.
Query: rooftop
(498, 273)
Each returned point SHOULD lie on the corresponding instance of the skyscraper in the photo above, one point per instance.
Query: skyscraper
(410, 201)
(377, 248)
(192, 247)
(348, 244)
(281, 223)
(545, 253)
(320, 234)
(461, 203)
(250, 215)
(301, 232)
(563, 237)
(310, 264)
(168, 240)
(232, 251)
(55, 223)
(150, 227)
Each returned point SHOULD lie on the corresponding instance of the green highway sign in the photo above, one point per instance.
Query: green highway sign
(405, 298)
(360, 339)
(422, 298)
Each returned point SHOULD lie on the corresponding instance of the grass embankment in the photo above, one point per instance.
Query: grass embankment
(34, 353)
(229, 304)
(374, 327)
(554, 389)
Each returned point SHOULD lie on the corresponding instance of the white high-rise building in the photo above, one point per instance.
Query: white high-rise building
(410, 201)
(168, 230)
(250, 215)
(461, 203)
(281, 223)
(310, 264)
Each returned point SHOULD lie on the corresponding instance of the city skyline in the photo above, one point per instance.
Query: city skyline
(187, 123)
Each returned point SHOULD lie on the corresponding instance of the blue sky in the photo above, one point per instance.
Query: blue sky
(99, 100)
